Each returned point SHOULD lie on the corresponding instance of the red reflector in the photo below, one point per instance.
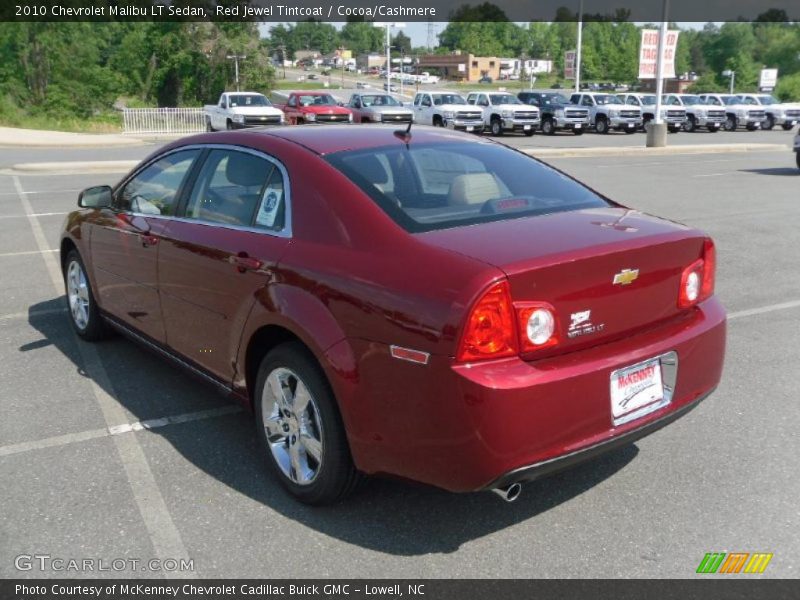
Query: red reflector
(490, 331)
(408, 354)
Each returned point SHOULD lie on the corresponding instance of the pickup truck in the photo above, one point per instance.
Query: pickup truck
(607, 111)
(557, 112)
(504, 112)
(737, 114)
(778, 113)
(673, 116)
(237, 110)
(446, 109)
(314, 107)
(698, 113)
(378, 108)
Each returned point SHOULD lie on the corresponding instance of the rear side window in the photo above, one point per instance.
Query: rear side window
(238, 188)
(424, 187)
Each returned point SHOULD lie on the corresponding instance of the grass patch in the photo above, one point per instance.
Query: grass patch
(12, 115)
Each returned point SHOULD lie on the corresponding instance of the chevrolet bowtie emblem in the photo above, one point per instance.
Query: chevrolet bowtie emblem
(626, 276)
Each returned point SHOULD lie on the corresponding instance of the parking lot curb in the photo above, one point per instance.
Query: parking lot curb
(644, 151)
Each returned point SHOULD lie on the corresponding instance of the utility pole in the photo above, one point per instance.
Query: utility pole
(662, 45)
(236, 58)
(578, 49)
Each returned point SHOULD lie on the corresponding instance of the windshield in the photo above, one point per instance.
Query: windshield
(504, 99)
(317, 100)
(379, 100)
(671, 100)
(248, 100)
(439, 99)
(552, 100)
(425, 187)
(691, 100)
(767, 100)
(747, 100)
(729, 100)
(603, 99)
(648, 99)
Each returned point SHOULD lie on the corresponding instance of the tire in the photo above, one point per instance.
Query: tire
(437, 121)
(601, 126)
(496, 127)
(83, 312)
(769, 123)
(730, 123)
(229, 125)
(209, 128)
(787, 127)
(689, 125)
(548, 127)
(318, 430)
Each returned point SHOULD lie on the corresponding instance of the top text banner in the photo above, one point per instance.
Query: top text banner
(394, 10)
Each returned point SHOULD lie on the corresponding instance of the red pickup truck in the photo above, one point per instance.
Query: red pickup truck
(314, 107)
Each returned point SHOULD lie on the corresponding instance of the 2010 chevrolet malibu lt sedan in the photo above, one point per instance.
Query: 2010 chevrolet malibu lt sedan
(422, 304)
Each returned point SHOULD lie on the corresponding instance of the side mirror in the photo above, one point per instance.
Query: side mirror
(95, 197)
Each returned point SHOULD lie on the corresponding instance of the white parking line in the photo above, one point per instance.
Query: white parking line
(164, 535)
(33, 313)
(15, 194)
(764, 309)
(93, 434)
(47, 214)
(26, 252)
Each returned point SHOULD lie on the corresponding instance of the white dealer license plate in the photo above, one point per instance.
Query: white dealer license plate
(636, 391)
(578, 125)
(526, 127)
(470, 128)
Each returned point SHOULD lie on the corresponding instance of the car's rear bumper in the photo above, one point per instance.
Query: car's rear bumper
(471, 427)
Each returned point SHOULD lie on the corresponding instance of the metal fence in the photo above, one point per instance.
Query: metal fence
(163, 120)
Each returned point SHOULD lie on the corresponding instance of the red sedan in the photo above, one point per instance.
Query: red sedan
(430, 305)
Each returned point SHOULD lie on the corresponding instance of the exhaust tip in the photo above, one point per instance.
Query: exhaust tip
(509, 493)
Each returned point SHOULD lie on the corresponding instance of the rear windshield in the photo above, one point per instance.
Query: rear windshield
(425, 187)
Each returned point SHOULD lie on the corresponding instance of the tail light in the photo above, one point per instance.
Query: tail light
(497, 328)
(490, 331)
(697, 280)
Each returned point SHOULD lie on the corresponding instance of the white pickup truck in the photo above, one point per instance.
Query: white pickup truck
(237, 110)
(504, 112)
(446, 109)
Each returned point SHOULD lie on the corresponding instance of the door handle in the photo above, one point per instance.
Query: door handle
(244, 263)
(149, 240)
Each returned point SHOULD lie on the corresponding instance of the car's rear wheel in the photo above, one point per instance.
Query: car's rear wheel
(496, 127)
(300, 427)
(84, 314)
(601, 126)
(548, 127)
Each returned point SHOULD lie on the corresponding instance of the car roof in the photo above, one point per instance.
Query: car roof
(327, 139)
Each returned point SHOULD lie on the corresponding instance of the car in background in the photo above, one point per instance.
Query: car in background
(556, 111)
(698, 113)
(314, 107)
(447, 109)
(238, 110)
(672, 115)
(428, 305)
(503, 112)
(378, 108)
(737, 113)
(390, 87)
(777, 113)
(608, 111)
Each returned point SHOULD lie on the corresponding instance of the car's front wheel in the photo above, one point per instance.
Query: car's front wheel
(601, 126)
(300, 427)
(689, 125)
(84, 314)
(496, 127)
(768, 123)
(209, 128)
(787, 126)
(548, 127)
(730, 123)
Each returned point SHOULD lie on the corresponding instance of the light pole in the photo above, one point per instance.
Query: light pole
(389, 51)
(732, 75)
(235, 58)
(578, 49)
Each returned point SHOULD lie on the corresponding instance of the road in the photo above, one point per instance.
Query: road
(724, 478)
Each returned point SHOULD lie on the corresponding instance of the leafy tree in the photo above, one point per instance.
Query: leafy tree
(362, 38)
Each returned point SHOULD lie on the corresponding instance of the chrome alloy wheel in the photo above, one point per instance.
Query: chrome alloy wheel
(292, 424)
(78, 293)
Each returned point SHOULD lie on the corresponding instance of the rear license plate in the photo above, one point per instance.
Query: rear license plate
(636, 391)
(470, 128)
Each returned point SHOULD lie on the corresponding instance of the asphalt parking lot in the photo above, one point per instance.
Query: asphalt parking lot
(81, 477)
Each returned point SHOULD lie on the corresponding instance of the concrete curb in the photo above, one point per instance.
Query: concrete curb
(644, 151)
(101, 166)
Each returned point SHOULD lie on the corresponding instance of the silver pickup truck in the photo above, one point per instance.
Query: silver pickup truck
(608, 111)
(447, 109)
(698, 113)
(237, 110)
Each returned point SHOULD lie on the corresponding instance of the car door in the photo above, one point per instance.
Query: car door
(235, 224)
(125, 241)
